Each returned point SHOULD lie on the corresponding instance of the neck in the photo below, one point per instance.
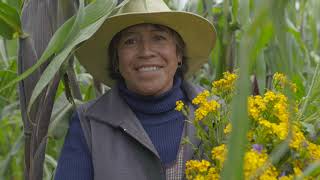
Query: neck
(153, 104)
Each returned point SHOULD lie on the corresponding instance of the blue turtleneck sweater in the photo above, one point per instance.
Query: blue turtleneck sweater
(157, 115)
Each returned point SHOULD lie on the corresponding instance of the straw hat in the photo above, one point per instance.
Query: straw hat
(198, 34)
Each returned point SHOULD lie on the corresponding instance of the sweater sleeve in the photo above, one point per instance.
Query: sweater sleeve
(75, 162)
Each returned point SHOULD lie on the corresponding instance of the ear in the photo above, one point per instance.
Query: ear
(179, 57)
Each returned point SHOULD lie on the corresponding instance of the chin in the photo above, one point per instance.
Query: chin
(149, 91)
(152, 88)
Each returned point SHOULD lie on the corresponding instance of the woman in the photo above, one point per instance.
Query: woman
(133, 131)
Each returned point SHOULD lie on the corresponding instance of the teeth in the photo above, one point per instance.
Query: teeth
(146, 69)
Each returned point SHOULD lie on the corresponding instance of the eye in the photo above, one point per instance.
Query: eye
(130, 41)
(159, 37)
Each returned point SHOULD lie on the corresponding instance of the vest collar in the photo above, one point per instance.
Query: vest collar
(111, 109)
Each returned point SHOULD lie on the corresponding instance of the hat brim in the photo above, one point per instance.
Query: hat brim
(198, 34)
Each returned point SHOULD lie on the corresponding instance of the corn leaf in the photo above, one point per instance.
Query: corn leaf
(93, 12)
(10, 25)
(58, 60)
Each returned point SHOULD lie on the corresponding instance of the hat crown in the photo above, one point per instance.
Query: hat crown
(143, 6)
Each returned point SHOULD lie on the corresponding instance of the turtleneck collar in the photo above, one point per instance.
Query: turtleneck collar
(152, 104)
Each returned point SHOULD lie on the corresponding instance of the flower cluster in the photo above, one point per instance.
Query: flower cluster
(225, 87)
(280, 81)
(273, 120)
(204, 106)
(200, 170)
(179, 105)
(271, 112)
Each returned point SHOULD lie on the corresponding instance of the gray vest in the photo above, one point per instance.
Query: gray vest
(119, 146)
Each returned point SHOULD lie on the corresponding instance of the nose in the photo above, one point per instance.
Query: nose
(146, 49)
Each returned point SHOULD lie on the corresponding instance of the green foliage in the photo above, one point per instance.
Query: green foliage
(10, 25)
(266, 36)
(11, 134)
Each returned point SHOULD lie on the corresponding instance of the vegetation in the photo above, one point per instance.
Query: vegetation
(256, 37)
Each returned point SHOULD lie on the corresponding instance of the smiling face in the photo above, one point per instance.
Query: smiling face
(148, 58)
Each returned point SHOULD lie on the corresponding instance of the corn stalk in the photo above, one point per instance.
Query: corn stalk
(40, 20)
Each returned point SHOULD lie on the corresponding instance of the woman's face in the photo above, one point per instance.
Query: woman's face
(148, 59)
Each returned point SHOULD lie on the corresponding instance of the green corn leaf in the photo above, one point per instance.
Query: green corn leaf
(51, 160)
(244, 12)
(239, 116)
(16, 4)
(3, 52)
(92, 13)
(98, 10)
(235, 8)
(77, 23)
(264, 36)
(10, 25)
(54, 45)
(59, 38)
(61, 114)
(5, 30)
(58, 60)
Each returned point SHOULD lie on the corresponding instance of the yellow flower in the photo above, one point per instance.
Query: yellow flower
(199, 177)
(201, 98)
(280, 81)
(250, 135)
(213, 174)
(226, 85)
(204, 165)
(281, 130)
(200, 113)
(256, 106)
(314, 151)
(297, 171)
(293, 87)
(279, 77)
(179, 105)
(290, 177)
(205, 108)
(253, 160)
(266, 123)
(196, 167)
(281, 110)
(297, 138)
(269, 174)
(269, 96)
(219, 153)
(228, 128)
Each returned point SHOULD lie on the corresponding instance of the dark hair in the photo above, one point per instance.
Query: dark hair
(114, 60)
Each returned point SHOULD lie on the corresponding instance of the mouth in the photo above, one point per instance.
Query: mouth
(148, 68)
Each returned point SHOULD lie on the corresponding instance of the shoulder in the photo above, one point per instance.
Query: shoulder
(93, 108)
(94, 103)
(191, 89)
